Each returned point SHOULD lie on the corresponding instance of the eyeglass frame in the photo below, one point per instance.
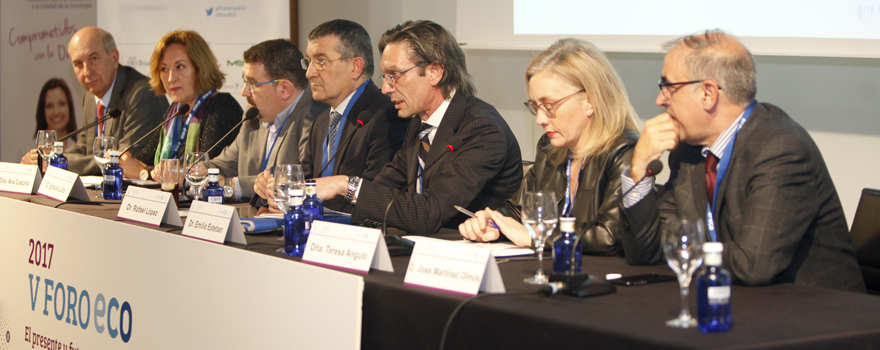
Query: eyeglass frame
(664, 86)
(252, 86)
(306, 62)
(390, 78)
(549, 108)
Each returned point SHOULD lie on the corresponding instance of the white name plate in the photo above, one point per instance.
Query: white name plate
(60, 184)
(149, 207)
(19, 178)
(347, 247)
(452, 268)
(214, 223)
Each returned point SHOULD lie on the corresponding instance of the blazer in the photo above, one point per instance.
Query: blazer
(219, 115)
(370, 146)
(244, 157)
(596, 198)
(474, 162)
(141, 112)
(777, 213)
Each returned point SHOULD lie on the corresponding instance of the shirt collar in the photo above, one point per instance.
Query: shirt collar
(437, 116)
(282, 117)
(721, 142)
(105, 100)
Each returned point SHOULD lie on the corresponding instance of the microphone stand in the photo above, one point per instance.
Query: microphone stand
(115, 113)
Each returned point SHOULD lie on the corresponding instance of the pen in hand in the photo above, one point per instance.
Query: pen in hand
(471, 214)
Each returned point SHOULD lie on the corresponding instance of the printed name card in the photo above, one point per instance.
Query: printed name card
(60, 184)
(214, 223)
(347, 247)
(19, 178)
(149, 207)
(453, 268)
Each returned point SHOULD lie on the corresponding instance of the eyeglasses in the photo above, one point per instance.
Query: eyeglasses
(251, 86)
(390, 78)
(665, 85)
(548, 108)
(320, 63)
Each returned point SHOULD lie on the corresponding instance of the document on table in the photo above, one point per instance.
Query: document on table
(499, 249)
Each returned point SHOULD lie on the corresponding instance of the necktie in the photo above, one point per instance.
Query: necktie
(423, 150)
(711, 174)
(331, 133)
(100, 114)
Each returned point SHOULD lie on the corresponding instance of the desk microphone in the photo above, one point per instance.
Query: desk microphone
(251, 113)
(181, 110)
(587, 285)
(363, 118)
(401, 246)
(115, 113)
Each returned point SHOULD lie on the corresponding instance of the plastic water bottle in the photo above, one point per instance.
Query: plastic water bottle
(59, 160)
(713, 291)
(213, 192)
(562, 248)
(295, 235)
(113, 178)
(313, 207)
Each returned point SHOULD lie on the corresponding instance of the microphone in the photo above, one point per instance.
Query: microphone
(587, 285)
(115, 113)
(398, 245)
(363, 118)
(251, 113)
(181, 110)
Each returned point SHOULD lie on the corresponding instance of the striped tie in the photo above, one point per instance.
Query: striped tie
(423, 151)
(331, 133)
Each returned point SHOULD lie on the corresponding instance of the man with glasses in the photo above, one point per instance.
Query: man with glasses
(275, 83)
(457, 151)
(745, 168)
(361, 132)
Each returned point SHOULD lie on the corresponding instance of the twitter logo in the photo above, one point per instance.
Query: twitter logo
(210, 11)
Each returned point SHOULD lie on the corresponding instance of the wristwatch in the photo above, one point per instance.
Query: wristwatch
(353, 182)
(145, 173)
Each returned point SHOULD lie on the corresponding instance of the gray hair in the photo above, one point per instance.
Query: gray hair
(107, 38)
(354, 41)
(721, 57)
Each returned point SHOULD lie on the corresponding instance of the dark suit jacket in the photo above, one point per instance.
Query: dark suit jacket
(778, 213)
(371, 146)
(244, 157)
(484, 169)
(141, 112)
(597, 194)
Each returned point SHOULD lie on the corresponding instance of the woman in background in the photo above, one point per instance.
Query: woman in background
(183, 66)
(54, 112)
(590, 132)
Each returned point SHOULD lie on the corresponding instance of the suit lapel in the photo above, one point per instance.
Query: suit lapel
(115, 101)
(741, 139)
(412, 160)
(351, 123)
(448, 126)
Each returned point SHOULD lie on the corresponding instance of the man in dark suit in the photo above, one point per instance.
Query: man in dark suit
(109, 86)
(457, 151)
(361, 132)
(274, 82)
(765, 193)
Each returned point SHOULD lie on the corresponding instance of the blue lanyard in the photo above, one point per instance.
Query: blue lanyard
(566, 209)
(723, 163)
(328, 171)
(278, 132)
(185, 128)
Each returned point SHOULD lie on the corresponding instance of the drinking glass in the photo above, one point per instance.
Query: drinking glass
(196, 171)
(169, 177)
(101, 151)
(683, 248)
(539, 217)
(45, 146)
(287, 177)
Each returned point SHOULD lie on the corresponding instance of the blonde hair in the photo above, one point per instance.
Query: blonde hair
(583, 65)
(203, 60)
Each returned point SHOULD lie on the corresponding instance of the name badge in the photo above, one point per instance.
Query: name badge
(347, 247)
(449, 267)
(149, 207)
(19, 178)
(213, 223)
(60, 184)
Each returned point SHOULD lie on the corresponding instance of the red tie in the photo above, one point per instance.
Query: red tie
(100, 114)
(711, 174)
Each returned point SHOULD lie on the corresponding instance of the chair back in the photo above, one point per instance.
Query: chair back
(865, 233)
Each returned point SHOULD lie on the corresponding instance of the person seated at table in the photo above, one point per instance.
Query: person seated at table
(590, 131)
(183, 66)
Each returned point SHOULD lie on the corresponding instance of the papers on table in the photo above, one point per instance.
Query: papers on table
(498, 249)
